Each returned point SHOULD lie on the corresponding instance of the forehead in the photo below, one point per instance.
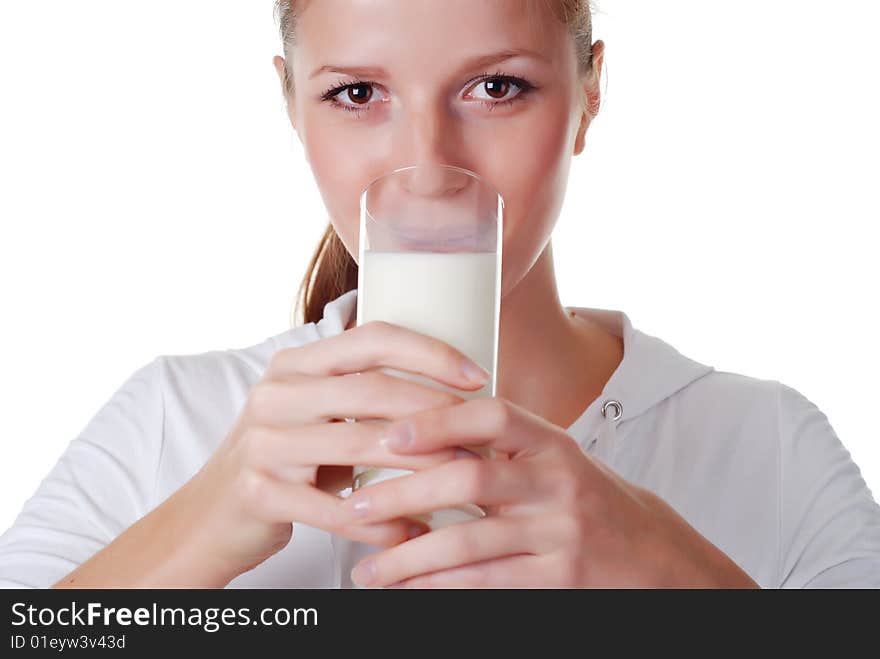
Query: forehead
(423, 33)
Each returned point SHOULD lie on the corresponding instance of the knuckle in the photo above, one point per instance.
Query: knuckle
(261, 399)
(477, 480)
(568, 570)
(572, 529)
(481, 575)
(377, 382)
(364, 442)
(370, 388)
(378, 329)
(570, 488)
(447, 398)
(254, 443)
(430, 397)
(498, 412)
(379, 334)
(282, 359)
(450, 355)
(328, 518)
(464, 548)
(287, 355)
(253, 491)
(591, 501)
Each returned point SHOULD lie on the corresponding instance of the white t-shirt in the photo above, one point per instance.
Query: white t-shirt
(752, 464)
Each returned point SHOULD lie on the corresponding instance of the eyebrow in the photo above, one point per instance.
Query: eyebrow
(473, 63)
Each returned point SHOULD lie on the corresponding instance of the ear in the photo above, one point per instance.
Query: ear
(592, 96)
(278, 61)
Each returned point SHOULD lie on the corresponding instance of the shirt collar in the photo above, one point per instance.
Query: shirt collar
(651, 370)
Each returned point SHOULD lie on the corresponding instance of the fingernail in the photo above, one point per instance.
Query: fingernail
(474, 373)
(399, 436)
(360, 504)
(364, 573)
(464, 453)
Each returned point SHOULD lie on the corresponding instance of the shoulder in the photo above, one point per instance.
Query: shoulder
(727, 422)
(723, 407)
(740, 401)
(230, 368)
(788, 414)
(202, 393)
(764, 417)
(729, 392)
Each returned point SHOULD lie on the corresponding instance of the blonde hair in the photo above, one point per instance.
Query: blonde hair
(332, 271)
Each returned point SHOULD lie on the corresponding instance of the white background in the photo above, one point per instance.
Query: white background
(154, 199)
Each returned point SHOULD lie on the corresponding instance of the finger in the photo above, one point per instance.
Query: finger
(316, 399)
(453, 546)
(480, 422)
(275, 501)
(522, 571)
(282, 450)
(451, 484)
(375, 344)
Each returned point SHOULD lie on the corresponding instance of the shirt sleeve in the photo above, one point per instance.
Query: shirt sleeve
(103, 483)
(829, 520)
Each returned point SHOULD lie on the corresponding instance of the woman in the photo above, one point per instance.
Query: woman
(620, 461)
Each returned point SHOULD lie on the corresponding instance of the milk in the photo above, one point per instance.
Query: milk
(451, 297)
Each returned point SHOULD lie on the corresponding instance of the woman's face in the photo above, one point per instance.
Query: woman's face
(427, 98)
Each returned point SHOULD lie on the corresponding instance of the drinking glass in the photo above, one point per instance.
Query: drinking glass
(429, 259)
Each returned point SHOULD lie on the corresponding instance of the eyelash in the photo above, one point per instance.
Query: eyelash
(525, 87)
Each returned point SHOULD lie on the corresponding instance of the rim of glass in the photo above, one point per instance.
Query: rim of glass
(473, 174)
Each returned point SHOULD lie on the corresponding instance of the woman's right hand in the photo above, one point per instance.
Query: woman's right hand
(264, 477)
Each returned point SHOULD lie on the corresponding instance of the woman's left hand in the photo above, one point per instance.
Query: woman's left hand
(557, 517)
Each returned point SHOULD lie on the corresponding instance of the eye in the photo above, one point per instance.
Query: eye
(352, 96)
(499, 86)
(355, 95)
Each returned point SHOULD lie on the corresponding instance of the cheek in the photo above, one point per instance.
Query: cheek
(339, 157)
(531, 164)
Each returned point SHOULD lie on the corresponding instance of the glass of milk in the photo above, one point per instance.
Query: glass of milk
(430, 260)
